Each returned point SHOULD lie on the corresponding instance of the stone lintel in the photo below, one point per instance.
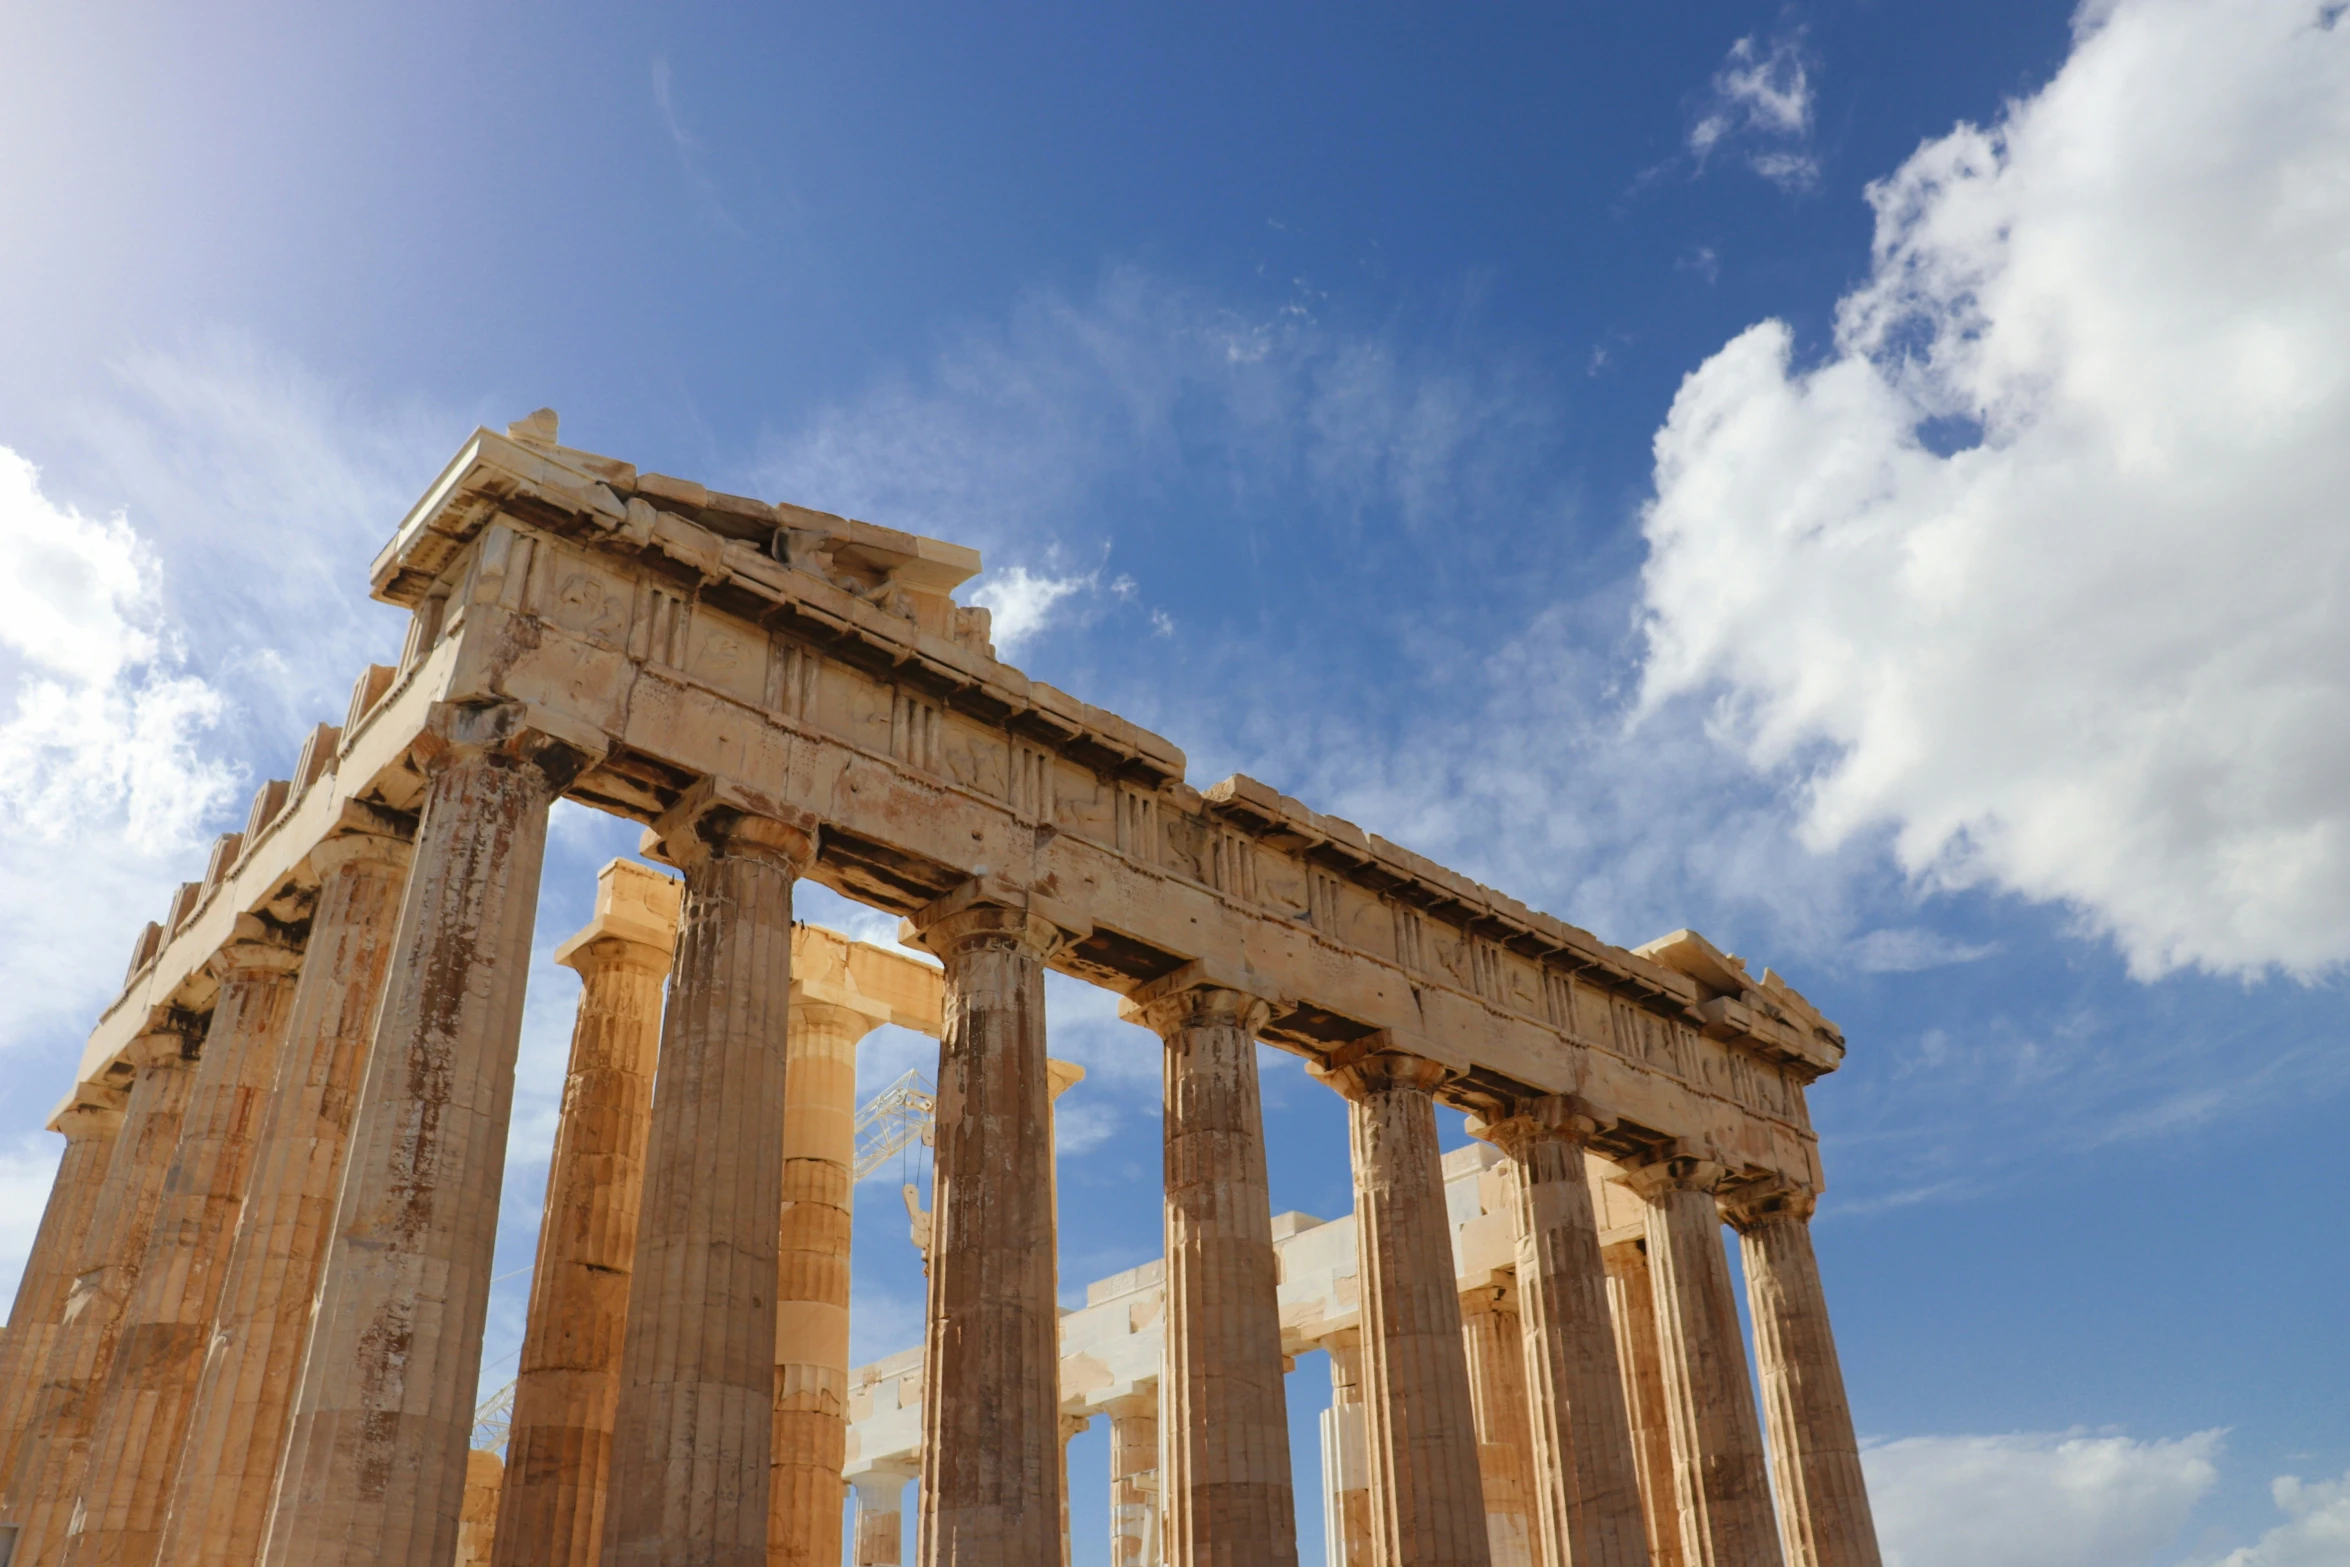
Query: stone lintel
(888, 987)
(634, 903)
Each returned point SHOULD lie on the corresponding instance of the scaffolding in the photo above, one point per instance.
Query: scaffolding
(894, 1120)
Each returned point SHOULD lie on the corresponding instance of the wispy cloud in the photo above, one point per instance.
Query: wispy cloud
(1908, 949)
(1760, 107)
(692, 157)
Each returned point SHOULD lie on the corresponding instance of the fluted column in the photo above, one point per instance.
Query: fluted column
(693, 1441)
(1072, 1427)
(1346, 1467)
(1134, 1481)
(1719, 1482)
(1496, 1347)
(1427, 1501)
(1586, 1477)
(880, 1517)
(52, 1455)
(1227, 1489)
(236, 1431)
(167, 1327)
(1345, 1455)
(1632, 1307)
(1823, 1499)
(812, 1313)
(559, 1437)
(991, 1471)
(477, 1523)
(375, 1461)
(90, 1125)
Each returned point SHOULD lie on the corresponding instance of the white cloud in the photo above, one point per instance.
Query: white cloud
(2033, 1500)
(1907, 949)
(1020, 603)
(2041, 565)
(105, 778)
(1761, 100)
(104, 723)
(2318, 1534)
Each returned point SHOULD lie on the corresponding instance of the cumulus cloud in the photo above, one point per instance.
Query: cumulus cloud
(2317, 1535)
(2041, 565)
(1020, 603)
(104, 721)
(106, 776)
(1761, 103)
(2034, 1500)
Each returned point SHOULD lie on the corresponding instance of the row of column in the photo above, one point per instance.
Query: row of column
(252, 1326)
(1602, 1415)
(282, 1369)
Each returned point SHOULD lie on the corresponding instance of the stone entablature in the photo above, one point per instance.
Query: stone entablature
(317, 1047)
(651, 625)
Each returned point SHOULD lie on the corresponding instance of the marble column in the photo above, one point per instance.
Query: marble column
(880, 1517)
(1823, 1500)
(1134, 1481)
(375, 1463)
(1346, 1467)
(1227, 1489)
(91, 1125)
(1427, 1500)
(52, 1455)
(1072, 1427)
(1496, 1346)
(559, 1436)
(167, 1326)
(477, 1522)
(991, 1456)
(1632, 1307)
(1720, 1485)
(1586, 1476)
(236, 1431)
(693, 1439)
(811, 1432)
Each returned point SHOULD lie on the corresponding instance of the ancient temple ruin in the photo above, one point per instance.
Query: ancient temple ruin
(251, 1326)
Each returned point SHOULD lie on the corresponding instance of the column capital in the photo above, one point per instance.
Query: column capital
(1675, 1172)
(1746, 1207)
(512, 733)
(719, 817)
(1371, 1066)
(1189, 996)
(635, 920)
(172, 1035)
(256, 949)
(961, 921)
(1513, 1128)
(372, 838)
(89, 1115)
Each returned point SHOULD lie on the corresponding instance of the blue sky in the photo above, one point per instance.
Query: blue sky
(1864, 481)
